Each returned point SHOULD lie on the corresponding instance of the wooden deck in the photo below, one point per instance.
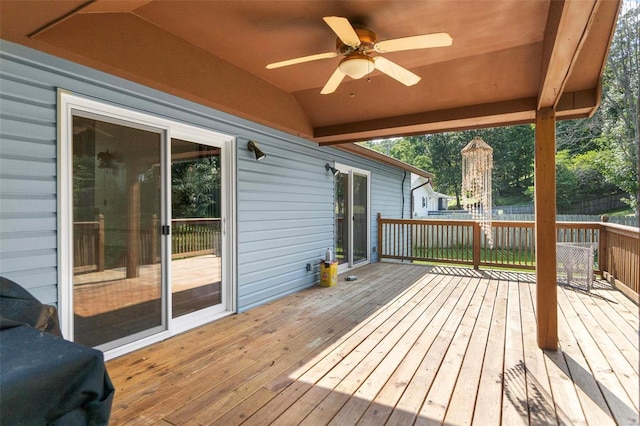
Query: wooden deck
(403, 344)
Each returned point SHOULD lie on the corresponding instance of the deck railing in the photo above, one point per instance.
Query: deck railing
(616, 247)
(620, 254)
(189, 237)
(195, 236)
(88, 245)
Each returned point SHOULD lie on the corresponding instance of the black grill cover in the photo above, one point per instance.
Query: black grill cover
(44, 379)
(18, 306)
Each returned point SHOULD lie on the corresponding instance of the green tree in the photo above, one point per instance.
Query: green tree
(566, 180)
(441, 155)
(580, 135)
(621, 136)
(590, 180)
(413, 150)
(513, 151)
(446, 161)
(195, 187)
(381, 145)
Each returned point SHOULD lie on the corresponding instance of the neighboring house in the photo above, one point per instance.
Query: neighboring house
(425, 199)
(140, 214)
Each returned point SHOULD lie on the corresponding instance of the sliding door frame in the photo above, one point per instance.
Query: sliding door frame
(350, 171)
(70, 104)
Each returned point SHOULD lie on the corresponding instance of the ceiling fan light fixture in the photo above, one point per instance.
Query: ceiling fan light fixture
(357, 65)
(355, 43)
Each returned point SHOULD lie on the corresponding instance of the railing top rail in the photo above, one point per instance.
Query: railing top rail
(582, 225)
(499, 224)
(630, 231)
(427, 221)
(197, 219)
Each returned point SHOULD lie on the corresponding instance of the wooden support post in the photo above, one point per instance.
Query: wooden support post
(155, 240)
(545, 227)
(379, 237)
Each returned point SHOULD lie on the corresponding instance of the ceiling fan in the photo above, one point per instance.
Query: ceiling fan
(356, 45)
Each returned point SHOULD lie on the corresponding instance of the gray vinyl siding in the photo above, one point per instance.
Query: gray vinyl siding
(284, 202)
(285, 219)
(28, 207)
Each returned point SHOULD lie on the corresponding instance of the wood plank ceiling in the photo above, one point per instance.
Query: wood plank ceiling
(508, 58)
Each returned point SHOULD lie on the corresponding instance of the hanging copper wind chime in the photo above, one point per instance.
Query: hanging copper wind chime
(477, 164)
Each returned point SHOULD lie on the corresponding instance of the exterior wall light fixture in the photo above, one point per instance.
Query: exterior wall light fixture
(253, 147)
(333, 170)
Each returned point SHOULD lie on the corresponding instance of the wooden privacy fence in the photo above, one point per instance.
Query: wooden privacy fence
(462, 242)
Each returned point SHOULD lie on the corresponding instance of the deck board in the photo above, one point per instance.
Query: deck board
(542, 407)
(601, 336)
(597, 361)
(404, 344)
(488, 400)
(461, 408)
(436, 403)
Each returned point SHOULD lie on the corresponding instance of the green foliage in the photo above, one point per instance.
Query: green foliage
(513, 150)
(381, 145)
(446, 161)
(621, 135)
(590, 179)
(412, 150)
(579, 177)
(195, 187)
(440, 155)
(566, 180)
(579, 136)
(83, 187)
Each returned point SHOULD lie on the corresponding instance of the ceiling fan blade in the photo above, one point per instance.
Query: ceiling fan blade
(414, 42)
(333, 83)
(343, 30)
(302, 59)
(395, 71)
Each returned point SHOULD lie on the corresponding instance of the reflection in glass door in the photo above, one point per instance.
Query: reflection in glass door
(351, 212)
(360, 221)
(117, 281)
(341, 213)
(196, 234)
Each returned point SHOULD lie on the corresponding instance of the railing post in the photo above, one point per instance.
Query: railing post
(155, 230)
(133, 235)
(100, 244)
(476, 245)
(379, 236)
(602, 247)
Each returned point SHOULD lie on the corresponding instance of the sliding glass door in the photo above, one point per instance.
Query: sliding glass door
(351, 210)
(196, 238)
(117, 188)
(146, 226)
